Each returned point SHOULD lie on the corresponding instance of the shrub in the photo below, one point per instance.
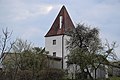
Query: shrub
(24, 75)
(51, 74)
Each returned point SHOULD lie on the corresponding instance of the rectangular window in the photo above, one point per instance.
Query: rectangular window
(54, 42)
(61, 18)
(54, 53)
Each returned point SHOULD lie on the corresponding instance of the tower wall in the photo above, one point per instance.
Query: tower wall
(66, 52)
(54, 48)
(59, 47)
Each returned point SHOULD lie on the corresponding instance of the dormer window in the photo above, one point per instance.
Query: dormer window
(61, 18)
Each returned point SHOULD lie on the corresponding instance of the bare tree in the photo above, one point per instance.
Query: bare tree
(104, 55)
(87, 50)
(5, 47)
(5, 44)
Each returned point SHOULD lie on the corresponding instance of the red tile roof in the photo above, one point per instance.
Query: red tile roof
(67, 24)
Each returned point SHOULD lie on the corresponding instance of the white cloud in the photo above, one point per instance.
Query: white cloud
(33, 11)
(31, 33)
(18, 10)
(100, 11)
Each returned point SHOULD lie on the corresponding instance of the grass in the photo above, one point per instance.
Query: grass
(114, 78)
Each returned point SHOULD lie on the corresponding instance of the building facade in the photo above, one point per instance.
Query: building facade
(55, 39)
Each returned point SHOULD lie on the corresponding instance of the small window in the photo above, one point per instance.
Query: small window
(60, 21)
(54, 42)
(54, 53)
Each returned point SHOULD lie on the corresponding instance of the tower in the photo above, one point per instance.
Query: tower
(55, 39)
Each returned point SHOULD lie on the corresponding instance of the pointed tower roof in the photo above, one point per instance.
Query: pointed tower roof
(62, 24)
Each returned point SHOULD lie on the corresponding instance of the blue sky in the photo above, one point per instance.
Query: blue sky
(31, 19)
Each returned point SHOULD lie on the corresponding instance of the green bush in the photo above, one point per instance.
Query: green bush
(114, 78)
(51, 74)
(24, 75)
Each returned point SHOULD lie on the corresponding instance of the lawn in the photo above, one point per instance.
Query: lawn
(115, 78)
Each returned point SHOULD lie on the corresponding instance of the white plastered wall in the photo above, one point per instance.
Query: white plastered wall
(54, 48)
(58, 47)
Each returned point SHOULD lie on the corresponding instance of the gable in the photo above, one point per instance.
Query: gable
(62, 24)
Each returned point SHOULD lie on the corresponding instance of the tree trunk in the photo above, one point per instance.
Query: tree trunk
(15, 73)
(89, 74)
(95, 73)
